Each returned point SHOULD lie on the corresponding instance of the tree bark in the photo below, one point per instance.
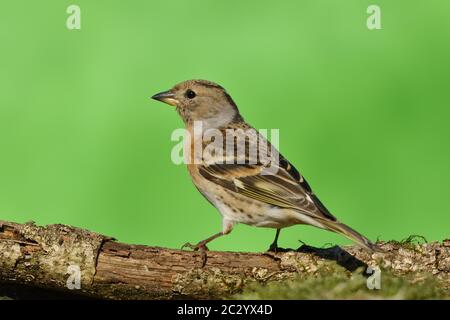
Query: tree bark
(56, 256)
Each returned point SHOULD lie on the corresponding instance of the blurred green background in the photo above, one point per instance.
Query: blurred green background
(364, 115)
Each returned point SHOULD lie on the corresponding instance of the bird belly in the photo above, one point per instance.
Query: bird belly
(241, 209)
(266, 216)
(238, 208)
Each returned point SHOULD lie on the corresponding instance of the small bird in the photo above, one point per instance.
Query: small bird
(244, 192)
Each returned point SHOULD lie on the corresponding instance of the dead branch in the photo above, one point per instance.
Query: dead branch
(57, 256)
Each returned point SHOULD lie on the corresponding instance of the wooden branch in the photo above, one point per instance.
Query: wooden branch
(50, 257)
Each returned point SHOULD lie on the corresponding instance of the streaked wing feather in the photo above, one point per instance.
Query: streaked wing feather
(286, 188)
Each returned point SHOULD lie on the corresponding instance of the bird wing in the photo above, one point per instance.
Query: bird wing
(284, 187)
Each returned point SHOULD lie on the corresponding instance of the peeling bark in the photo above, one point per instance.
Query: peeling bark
(40, 257)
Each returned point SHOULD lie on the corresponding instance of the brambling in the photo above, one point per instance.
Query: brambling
(238, 183)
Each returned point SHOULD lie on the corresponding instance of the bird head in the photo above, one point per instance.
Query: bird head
(201, 100)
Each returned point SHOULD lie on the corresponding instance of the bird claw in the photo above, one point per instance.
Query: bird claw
(187, 245)
(201, 247)
(273, 248)
(276, 249)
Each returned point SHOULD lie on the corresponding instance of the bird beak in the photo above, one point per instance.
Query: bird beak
(166, 97)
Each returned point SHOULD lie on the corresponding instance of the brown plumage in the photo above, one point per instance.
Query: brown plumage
(238, 183)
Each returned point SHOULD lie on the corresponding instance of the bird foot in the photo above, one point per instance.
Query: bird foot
(201, 247)
(275, 249)
(197, 247)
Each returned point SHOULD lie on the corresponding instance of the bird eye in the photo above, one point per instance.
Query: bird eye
(190, 94)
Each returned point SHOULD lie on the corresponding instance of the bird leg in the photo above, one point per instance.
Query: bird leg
(201, 246)
(274, 246)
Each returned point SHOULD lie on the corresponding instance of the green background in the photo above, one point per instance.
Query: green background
(364, 115)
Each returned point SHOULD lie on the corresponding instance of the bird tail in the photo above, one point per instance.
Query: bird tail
(351, 234)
